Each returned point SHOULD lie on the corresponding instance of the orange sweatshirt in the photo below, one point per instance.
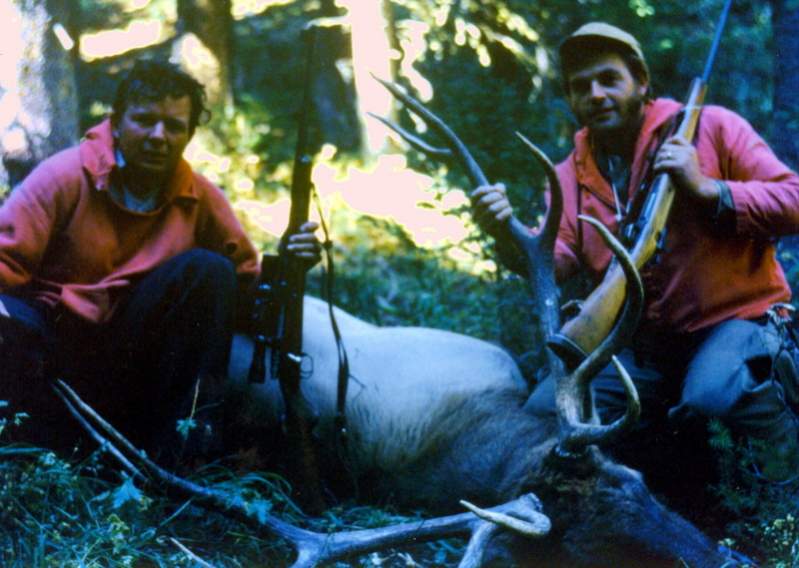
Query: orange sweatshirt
(65, 241)
(705, 275)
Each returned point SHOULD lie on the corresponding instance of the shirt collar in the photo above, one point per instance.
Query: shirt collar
(99, 157)
(656, 114)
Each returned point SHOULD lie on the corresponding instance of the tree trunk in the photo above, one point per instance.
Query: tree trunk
(785, 134)
(38, 96)
(205, 46)
(785, 125)
(371, 54)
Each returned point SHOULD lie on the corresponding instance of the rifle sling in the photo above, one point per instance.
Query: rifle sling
(638, 200)
(340, 418)
(666, 130)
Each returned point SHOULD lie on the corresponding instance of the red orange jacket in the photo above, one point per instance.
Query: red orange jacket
(64, 240)
(706, 274)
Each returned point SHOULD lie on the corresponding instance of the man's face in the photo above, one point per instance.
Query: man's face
(604, 94)
(153, 135)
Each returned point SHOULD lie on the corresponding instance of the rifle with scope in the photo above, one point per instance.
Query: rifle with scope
(278, 313)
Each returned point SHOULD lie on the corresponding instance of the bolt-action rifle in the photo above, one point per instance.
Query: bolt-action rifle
(582, 335)
(279, 312)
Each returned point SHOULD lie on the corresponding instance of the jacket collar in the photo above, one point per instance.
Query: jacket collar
(98, 159)
(656, 114)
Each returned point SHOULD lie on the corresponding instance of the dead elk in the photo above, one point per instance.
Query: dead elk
(436, 417)
(488, 448)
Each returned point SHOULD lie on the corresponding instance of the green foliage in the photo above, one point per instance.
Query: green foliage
(44, 501)
(271, 71)
(185, 426)
(762, 511)
(782, 536)
(15, 420)
(789, 259)
(63, 512)
(56, 513)
(405, 286)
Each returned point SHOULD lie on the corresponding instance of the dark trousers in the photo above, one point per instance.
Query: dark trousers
(724, 372)
(163, 352)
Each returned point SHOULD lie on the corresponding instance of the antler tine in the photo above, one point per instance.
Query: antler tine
(574, 390)
(481, 536)
(415, 141)
(101, 441)
(582, 434)
(632, 309)
(206, 495)
(457, 149)
(452, 141)
(549, 232)
(524, 519)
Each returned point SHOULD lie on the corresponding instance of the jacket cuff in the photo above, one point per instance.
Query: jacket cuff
(724, 215)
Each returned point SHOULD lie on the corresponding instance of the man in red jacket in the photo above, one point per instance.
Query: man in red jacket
(120, 267)
(705, 347)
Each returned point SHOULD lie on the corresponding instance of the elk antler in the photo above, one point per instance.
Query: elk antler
(573, 394)
(454, 148)
(522, 514)
(539, 247)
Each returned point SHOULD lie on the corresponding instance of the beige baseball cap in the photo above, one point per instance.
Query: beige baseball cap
(594, 33)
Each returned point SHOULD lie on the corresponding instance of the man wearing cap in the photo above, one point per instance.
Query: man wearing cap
(705, 346)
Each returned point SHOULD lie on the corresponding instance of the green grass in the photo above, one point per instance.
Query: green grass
(56, 512)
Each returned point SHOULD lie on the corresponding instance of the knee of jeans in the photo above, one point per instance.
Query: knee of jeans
(211, 267)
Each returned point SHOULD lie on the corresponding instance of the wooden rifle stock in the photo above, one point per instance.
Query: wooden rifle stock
(582, 335)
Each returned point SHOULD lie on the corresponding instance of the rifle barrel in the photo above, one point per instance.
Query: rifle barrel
(716, 41)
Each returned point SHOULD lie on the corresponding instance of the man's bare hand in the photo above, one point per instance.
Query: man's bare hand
(491, 208)
(679, 159)
(304, 244)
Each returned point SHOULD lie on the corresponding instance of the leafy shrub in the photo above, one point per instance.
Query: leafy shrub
(762, 512)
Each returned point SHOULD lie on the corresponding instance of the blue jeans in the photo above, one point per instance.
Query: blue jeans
(140, 368)
(724, 372)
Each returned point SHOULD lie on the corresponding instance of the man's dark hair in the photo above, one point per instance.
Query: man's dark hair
(150, 81)
(575, 57)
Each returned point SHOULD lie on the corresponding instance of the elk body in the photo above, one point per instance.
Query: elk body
(401, 379)
(435, 417)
